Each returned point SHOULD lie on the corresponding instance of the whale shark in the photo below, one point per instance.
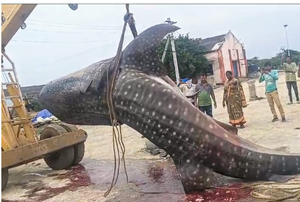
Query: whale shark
(198, 144)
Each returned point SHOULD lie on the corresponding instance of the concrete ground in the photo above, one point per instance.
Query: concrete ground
(35, 182)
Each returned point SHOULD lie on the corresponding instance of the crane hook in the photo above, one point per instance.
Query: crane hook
(74, 7)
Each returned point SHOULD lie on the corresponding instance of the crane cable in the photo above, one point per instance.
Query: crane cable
(117, 137)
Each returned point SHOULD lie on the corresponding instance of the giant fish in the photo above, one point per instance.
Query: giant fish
(198, 144)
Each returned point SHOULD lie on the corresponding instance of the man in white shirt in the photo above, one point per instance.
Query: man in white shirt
(188, 88)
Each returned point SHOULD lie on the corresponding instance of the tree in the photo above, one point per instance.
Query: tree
(37, 106)
(295, 55)
(276, 60)
(190, 57)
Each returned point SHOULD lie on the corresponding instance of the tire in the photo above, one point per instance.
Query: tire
(63, 158)
(79, 149)
(4, 178)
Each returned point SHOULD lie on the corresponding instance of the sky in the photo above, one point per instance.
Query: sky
(58, 41)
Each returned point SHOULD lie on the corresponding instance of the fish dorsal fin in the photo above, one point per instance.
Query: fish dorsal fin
(141, 54)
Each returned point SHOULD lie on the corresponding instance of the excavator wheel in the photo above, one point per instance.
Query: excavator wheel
(79, 149)
(4, 178)
(63, 158)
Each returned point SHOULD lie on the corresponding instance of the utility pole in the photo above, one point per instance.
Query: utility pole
(282, 55)
(287, 42)
(165, 50)
(171, 38)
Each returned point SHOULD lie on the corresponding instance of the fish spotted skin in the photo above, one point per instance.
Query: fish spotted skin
(191, 138)
(198, 145)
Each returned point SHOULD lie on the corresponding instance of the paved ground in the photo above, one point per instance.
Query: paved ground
(147, 173)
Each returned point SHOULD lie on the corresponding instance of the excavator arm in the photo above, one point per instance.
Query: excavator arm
(14, 16)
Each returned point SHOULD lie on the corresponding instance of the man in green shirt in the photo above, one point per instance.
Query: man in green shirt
(270, 77)
(290, 69)
(203, 98)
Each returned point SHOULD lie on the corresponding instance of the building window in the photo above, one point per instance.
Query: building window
(210, 70)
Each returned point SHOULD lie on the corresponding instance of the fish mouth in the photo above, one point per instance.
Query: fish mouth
(80, 97)
(86, 119)
(70, 106)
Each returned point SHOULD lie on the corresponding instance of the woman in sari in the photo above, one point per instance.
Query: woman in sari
(234, 99)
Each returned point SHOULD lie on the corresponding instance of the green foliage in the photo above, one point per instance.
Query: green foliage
(295, 55)
(36, 105)
(277, 60)
(190, 57)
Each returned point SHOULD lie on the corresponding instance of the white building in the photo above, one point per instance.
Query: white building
(225, 52)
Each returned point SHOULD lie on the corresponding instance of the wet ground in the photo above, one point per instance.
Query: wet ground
(149, 180)
(150, 177)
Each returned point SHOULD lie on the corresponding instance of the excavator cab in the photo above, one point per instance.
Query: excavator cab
(60, 145)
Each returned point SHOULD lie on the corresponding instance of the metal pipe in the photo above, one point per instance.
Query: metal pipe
(287, 41)
(15, 73)
(175, 61)
(165, 50)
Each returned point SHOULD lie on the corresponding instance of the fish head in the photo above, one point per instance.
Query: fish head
(80, 97)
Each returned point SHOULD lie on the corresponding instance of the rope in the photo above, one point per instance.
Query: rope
(272, 191)
(131, 22)
(118, 143)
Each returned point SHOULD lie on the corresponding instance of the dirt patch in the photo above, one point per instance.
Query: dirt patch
(39, 191)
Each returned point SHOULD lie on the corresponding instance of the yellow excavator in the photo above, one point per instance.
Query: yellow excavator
(60, 145)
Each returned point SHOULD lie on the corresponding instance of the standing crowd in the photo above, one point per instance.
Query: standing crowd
(234, 97)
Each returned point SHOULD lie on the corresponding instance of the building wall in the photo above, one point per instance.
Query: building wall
(213, 57)
(232, 44)
(236, 53)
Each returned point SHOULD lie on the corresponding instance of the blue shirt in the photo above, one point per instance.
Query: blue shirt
(270, 79)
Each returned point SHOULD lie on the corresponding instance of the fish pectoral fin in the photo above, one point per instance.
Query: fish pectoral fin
(281, 178)
(84, 86)
(195, 176)
(232, 130)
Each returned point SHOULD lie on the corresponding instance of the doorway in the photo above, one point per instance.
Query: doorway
(235, 69)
